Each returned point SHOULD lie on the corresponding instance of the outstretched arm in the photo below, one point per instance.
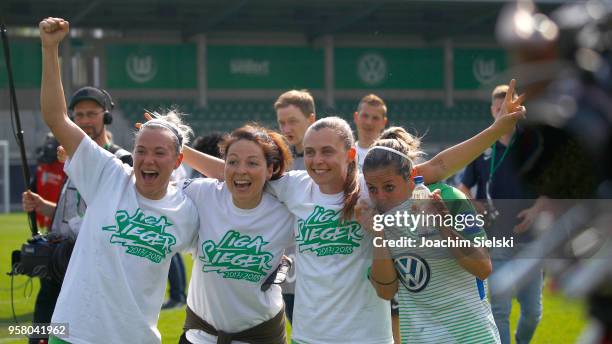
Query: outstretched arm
(453, 159)
(208, 165)
(52, 101)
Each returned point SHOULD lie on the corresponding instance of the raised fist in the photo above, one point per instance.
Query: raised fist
(52, 31)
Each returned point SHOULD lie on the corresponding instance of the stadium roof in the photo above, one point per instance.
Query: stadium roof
(430, 20)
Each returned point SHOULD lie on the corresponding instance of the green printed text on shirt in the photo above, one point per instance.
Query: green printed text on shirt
(324, 234)
(237, 256)
(144, 236)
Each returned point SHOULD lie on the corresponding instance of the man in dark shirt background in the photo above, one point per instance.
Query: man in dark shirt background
(496, 176)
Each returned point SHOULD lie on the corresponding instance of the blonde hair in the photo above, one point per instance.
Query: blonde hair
(373, 100)
(171, 121)
(302, 99)
(500, 91)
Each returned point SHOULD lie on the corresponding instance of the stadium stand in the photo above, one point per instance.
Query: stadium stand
(429, 118)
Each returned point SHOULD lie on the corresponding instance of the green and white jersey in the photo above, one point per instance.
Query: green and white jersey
(116, 279)
(440, 302)
(334, 301)
(236, 251)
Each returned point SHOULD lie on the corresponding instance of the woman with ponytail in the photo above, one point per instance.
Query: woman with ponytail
(334, 302)
(441, 288)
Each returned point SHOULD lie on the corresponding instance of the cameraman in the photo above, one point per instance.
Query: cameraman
(49, 177)
(91, 110)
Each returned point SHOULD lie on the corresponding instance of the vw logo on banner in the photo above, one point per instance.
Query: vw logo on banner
(372, 69)
(141, 68)
(484, 70)
(413, 271)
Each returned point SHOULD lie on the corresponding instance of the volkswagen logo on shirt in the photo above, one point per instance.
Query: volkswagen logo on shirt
(413, 271)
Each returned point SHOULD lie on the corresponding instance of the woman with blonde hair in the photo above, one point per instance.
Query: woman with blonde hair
(135, 220)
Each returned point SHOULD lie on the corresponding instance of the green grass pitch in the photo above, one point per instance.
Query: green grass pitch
(562, 321)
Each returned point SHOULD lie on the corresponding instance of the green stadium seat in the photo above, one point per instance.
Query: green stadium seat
(431, 118)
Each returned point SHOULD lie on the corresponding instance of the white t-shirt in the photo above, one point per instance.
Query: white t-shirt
(116, 279)
(236, 251)
(334, 301)
(179, 174)
(361, 155)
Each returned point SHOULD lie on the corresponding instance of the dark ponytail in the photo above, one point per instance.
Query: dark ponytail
(282, 158)
(400, 140)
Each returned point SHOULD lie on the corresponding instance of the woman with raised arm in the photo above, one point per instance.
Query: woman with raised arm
(442, 293)
(135, 220)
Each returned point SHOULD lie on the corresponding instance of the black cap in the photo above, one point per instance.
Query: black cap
(92, 93)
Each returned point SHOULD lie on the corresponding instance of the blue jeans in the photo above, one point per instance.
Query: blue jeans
(177, 279)
(529, 297)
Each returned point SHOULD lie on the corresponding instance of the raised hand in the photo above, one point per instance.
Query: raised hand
(147, 117)
(511, 110)
(52, 31)
(437, 204)
(433, 205)
(510, 104)
(62, 156)
(364, 213)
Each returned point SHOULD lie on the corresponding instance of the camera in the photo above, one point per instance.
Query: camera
(490, 211)
(44, 256)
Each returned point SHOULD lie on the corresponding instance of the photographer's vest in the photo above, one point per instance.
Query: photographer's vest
(71, 207)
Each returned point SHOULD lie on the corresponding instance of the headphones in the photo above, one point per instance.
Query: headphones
(108, 107)
(98, 95)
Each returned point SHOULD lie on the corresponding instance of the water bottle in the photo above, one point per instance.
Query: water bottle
(420, 193)
(420, 190)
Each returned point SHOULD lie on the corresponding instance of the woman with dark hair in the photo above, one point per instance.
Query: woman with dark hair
(442, 293)
(243, 234)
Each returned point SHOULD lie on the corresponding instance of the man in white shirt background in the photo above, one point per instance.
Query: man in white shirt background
(370, 120)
